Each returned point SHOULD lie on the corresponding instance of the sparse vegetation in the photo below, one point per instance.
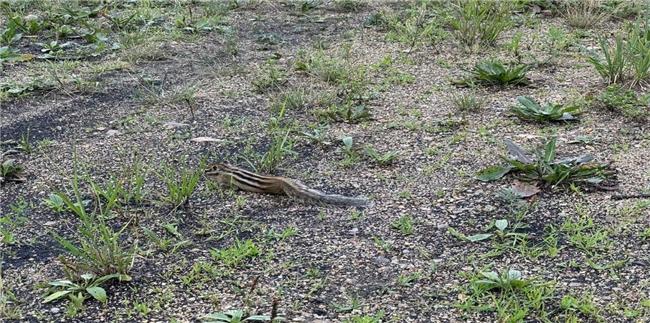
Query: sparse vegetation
(270, 77)
(625, 101)
(469, 102)
(10, 170)
(584, 14)
(510, 296)
(628, 58)
(479, 23)
(113, 110)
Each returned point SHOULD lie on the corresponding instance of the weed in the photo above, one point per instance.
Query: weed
(503, 231)
(98, 255)
(317, 133)
(100, 249)
(469, 102)
(305, 6)
(530, 110)
(551, 242)
(509, 295)
(180, 184)
(638, 51)
(584, 235)
(493, 72)
(645, 235)
(350, 80)
(8, 302)
(382, 244)
(349, 5)
(384, 159)
(351, 155)
(545, 168)
(236, 254)
(416, 27)
(331, 69)
(284, 234)
(24, 144)
(479, 23)
(612, 68)
(55, 203)
(290, 100)
(404, 225)
(584, 13)
(281, 146)
(348, 112)
(352, 303)
(582, 304)
(10, 170)
(625, 101)
(271, 77)
(374, 318)
(408, 279)
(142, 308)
(89, 284)
(559, 40)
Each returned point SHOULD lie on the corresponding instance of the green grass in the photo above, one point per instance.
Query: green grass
(404, 224)
(638, 48)
(584, 14)
(469, 102)
(510, 296)
(625, 101)
(236, 254)
(580, 305)
(350, 80)
(349, 5)
(382, 159)
(478, 23)
(281, 147)
(269, 78)
(98, 252)
(180, 184)
(612, 66)
(414, 27)
(10, 170)
(9, 308)
(583, 234)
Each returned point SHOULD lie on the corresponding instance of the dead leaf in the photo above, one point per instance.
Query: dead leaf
(205, 139)
(174, 125)
(524, 190)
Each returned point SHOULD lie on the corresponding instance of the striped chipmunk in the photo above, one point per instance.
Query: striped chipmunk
(249, 181)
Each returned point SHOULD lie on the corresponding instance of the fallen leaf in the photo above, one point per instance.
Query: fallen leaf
(492, 173)
(524, 190)
(174, 124)
(479, 237)
(205, 139)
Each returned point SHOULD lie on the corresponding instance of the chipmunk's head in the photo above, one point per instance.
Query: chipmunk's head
(214, 170)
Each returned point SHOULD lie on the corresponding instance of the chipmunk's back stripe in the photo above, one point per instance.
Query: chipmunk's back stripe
(245, 173)
(252, 181)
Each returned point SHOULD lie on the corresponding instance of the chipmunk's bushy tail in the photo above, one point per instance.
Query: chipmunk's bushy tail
(302, 192)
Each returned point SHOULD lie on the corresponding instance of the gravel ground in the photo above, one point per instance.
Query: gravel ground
(333, 263)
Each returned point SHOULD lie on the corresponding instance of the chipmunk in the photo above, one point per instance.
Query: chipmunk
(249, 181)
